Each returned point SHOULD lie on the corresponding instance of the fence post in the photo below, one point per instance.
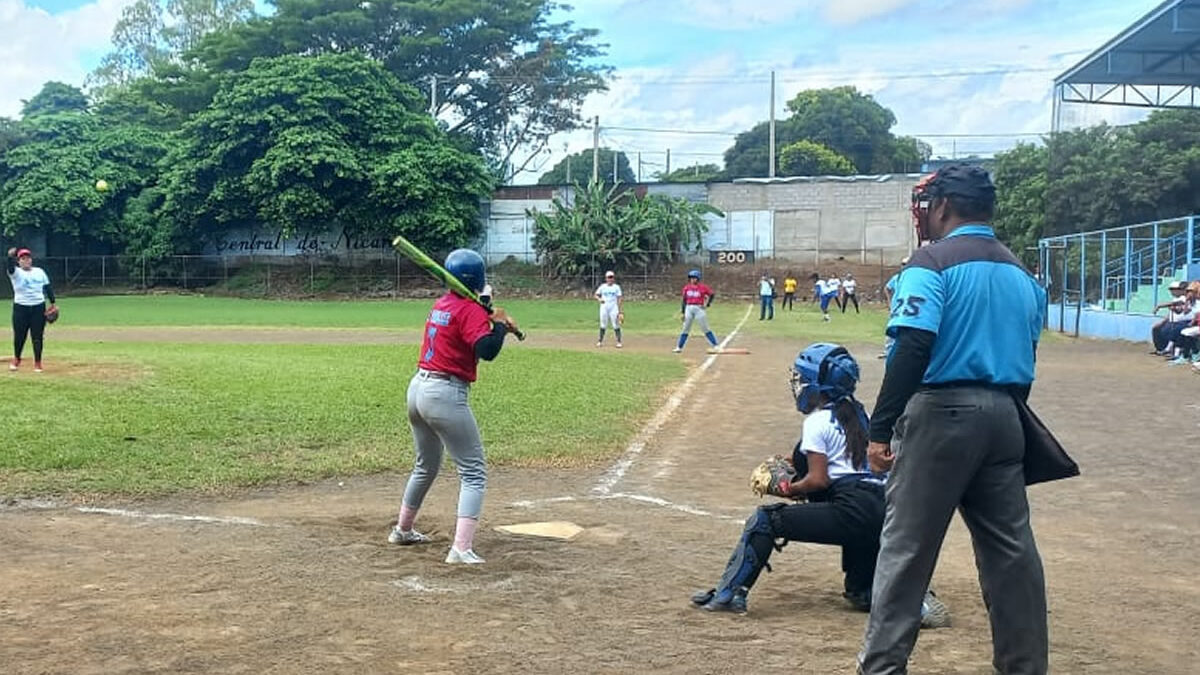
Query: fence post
(66, 271)
(268, 276)
(183, 261)
(103, 273)
(1082, 269)
(1154, 271)
(144, 273)
(1191, 246)
(397, 257)
(1104, 270)
(1128, 266)
(1062, 305)
(225, 269)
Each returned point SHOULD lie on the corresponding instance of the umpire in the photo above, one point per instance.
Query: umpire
(966, 319)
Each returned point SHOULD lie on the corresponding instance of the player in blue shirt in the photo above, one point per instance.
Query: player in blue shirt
(966, 317)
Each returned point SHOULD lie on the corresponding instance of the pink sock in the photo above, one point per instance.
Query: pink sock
(464, 533)
(406, 518)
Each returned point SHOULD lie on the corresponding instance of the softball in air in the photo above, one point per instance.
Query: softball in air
(102, 185)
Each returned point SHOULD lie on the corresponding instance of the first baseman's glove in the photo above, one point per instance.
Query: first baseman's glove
(772, 477)
(621, 319)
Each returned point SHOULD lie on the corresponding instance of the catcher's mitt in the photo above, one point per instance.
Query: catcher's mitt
(52, 314)
(772, 477)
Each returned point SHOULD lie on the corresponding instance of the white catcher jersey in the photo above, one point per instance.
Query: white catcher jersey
(609, 294)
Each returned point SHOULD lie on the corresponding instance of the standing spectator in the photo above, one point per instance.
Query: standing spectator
(967, 321)
(849, 286)
(766, 294)
(31, 290)
(789, 290)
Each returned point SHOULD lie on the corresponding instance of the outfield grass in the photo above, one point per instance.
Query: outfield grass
(154, 418)
(548, 316)
(804, 324)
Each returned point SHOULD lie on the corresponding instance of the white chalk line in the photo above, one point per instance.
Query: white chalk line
(618, 470)
(415, 584)
(641, 499)
(176, 517)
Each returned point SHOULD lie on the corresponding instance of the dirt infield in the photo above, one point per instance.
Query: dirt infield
(301, 580)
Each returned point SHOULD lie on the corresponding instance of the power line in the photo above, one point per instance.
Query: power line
(705, 132)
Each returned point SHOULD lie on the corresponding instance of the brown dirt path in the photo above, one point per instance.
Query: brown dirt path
(315, 589)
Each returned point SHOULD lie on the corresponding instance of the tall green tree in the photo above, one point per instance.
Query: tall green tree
(580, 171)
(1021, 177)
(808, 158)
(154, 33)
(842, 119)
(506, 75)
(308, 143)
(55, 97)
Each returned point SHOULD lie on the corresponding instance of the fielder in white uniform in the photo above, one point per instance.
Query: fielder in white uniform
(612, 305)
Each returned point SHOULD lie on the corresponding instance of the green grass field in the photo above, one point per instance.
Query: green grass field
(153, 418)
(554, 316)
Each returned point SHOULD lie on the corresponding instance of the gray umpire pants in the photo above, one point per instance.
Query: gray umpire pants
(958, 448)
(441, 419)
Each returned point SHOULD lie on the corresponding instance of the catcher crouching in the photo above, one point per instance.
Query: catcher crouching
(836, 500)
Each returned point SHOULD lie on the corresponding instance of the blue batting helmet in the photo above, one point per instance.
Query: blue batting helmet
(467, 266)
(694, 274)
(823, 369)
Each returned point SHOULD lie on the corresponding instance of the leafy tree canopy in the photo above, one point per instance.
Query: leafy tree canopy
(306, 143)
(843, 120)
(507, 76)
(697, 173)
(580, 171)
(807, 158)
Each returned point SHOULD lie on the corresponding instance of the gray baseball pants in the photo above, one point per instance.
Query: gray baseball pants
(442, 419)
(958, 448)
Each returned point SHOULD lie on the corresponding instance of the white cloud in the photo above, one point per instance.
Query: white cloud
(37, 46)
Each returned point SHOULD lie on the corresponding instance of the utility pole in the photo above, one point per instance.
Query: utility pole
(596, 149)
(639, 173)
(568, 154)
(771, 132)
(668, 160)
(615, 153)
(433, 96)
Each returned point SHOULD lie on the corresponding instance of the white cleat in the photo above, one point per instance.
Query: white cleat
(407, 537)
(467, 557)
(676, 350)
(618, 345)
(599, 344)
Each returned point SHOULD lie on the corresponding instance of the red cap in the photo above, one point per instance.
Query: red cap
(22, 252)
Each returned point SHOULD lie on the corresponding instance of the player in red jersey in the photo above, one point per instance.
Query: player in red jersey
(458, 333)
(696, 296)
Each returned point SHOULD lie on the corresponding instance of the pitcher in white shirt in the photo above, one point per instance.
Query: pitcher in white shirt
(31, 290)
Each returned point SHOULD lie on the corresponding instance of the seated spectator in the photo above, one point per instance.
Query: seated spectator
(1175, 320)
(1185, 310)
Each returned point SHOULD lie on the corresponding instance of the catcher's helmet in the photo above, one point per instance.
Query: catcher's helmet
(467, 266)
(694, 274)
(823, 368)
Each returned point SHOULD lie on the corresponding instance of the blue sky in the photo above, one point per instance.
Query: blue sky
(951, 70)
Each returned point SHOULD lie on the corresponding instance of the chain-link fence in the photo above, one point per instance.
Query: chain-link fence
(376, 275)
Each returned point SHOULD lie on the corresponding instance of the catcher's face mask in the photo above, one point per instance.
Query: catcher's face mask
(922, 199)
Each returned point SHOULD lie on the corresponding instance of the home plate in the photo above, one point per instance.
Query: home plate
(553, 529)
(729, 350)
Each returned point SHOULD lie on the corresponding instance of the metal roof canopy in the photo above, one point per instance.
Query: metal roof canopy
(1155, 63)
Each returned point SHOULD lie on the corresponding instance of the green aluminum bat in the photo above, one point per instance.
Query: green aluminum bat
(438, 272)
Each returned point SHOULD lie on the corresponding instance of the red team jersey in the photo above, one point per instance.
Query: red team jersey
(454, 325)
(696, 294)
